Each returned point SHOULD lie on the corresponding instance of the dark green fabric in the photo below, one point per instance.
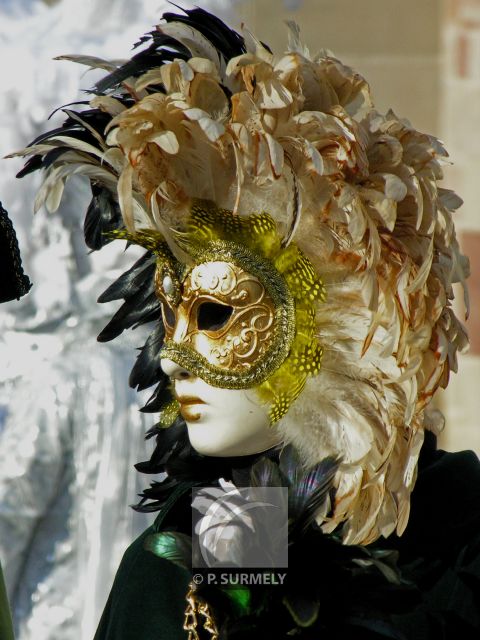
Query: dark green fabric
(147, 601)
(440, 549)
(439, 552)
(6, 631)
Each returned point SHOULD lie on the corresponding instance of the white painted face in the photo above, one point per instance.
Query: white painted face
(221, 422)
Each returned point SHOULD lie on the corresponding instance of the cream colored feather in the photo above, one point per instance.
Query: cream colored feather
(373, 222)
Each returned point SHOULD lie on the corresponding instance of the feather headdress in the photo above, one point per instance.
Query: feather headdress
(201, 112)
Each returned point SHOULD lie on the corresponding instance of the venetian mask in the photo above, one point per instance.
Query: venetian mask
(225, 315)
(241, 314)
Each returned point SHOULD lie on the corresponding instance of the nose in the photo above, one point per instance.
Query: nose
(174, 370)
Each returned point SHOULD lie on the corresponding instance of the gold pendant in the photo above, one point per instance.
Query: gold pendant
(199, 621)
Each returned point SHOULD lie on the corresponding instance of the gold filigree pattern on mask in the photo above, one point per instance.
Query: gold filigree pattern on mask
(257, 336)
(246, 326)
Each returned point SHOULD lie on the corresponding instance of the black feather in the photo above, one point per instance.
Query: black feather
(126, 284)
(156, 495)
(162, 49)
(42, 162)
(228, 42)
(290, 465)
(172, 438)
(95, 118)
(103, 215)
(157, 400)
(71, 128)
(310, 492)
(138, 309)
(141, 304)
(146, 370)
(69, 104)
(266, 473)
(32, 164)
(51, 156)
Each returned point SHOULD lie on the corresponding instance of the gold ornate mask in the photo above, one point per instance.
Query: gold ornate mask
(226, 315)
(233, 322)
(243, 315)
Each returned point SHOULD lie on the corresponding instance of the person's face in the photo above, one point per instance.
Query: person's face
(239, 328)
(221, 422)
(224, 319)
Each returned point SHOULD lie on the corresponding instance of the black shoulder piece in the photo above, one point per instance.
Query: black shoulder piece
(14, 282)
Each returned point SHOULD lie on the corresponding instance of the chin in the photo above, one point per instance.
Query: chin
(213, 452)
(204, 439)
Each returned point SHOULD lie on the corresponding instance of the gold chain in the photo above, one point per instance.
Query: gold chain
(198, 616)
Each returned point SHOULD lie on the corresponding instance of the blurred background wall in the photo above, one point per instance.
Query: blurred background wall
(460, 128)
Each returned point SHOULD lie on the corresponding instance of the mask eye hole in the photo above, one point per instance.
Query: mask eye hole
(213, 316)
(168, 315)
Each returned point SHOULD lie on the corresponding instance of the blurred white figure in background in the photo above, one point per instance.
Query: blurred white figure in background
(69, 433)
